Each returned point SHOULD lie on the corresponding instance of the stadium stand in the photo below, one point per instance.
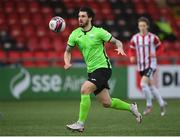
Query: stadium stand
(26, 39)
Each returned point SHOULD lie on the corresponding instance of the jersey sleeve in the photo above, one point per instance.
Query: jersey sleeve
(71, 40)
(105, 35)
(131, 51)
(157, 41)
(132, 44)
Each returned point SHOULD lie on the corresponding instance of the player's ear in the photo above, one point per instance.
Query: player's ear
(90, 18)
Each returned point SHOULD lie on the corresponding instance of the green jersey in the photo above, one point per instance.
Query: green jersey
(91, 45)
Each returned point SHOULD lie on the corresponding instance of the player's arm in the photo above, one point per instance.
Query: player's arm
(132, 52)
(119, 45)
(67, 57)
(159, 46)
(132, 58)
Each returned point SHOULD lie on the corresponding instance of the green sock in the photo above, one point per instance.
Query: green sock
(119, 104)
(84, 107)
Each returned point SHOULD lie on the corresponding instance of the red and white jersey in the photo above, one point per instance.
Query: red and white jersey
(145, 47)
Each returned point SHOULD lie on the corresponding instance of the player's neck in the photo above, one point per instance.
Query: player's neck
(87, 28)
(144, 33)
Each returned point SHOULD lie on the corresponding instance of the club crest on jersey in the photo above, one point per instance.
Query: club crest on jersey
(91, 36)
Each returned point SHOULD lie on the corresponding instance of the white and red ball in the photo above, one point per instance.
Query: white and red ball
(57, 24)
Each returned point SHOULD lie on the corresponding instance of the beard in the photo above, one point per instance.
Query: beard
(83, 24)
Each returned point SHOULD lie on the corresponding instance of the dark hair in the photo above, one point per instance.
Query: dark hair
(89, 11)
(144, 19)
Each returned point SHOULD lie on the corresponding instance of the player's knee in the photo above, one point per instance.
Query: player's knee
(143, 84)
(85, 89)
(106, 104)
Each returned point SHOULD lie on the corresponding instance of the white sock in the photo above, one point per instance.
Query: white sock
(80, 122)
(157, 95)
(147, 92)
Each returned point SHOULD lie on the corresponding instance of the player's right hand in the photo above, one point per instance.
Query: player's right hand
(67, 66)
(132, 59)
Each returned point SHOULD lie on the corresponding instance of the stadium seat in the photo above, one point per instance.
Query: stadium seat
(76, 55)
(33, 43)
(58, 44)
(3, 57)
(14, 57)
(28, 21)
(9, 7)
(29, 31)
(21, 7)
(45, 44)
(34, 7)
(41, 59)
(27, 59)
(41, 31)
(16, 30)
(55, 58)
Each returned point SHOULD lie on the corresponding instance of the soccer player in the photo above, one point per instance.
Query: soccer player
(90, 41)
(145, 46)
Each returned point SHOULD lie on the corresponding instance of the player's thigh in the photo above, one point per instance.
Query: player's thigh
(104, 97)
(152, 80)
(88, 87)
(145, 79)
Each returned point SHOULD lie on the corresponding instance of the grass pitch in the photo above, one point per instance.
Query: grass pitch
(31, 118)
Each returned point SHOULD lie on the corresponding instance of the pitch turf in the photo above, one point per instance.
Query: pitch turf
(50, 117)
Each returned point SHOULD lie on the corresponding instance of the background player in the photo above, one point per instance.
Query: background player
(90, 41)
(145, 45)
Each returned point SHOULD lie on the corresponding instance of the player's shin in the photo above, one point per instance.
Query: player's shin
(147, 92)
(119, 104)
(157, 95)
(84, 107)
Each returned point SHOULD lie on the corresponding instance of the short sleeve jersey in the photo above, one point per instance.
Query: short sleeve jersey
(91, 45)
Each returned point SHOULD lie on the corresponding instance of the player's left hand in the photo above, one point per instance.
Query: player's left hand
(67, 66)
(120, 50)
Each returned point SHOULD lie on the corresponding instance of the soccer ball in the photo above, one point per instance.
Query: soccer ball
(57, 24)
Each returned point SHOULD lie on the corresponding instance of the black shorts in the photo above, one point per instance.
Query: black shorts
(100, 78)
(149, 72)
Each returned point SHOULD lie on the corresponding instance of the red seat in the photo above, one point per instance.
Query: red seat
(21, 42)
(9, 7)
(13, 19)
(123, 61)
(2, 18)
(27, 58)
(55, 58)
(45, 44)
(58, 44)
(72, 22)
(33, 43)
(37, 19)
(163, 60)
(34, 7)
(46, 10)
(16, 30)
(76, 54)
(3, 56)
(41, 59)
(14, 57)
(177, 45)
(29, 31)
(112, 54)
(47, 18)
(21, 6)
(25, 19)
(41, 31)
